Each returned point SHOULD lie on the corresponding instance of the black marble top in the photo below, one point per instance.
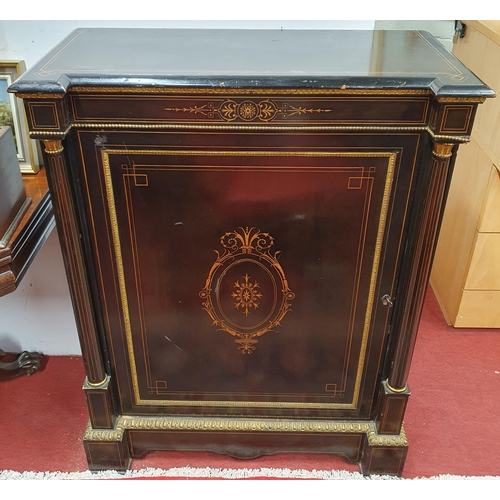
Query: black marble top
(251, 58)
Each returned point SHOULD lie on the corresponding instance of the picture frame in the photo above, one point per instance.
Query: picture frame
(12, 115)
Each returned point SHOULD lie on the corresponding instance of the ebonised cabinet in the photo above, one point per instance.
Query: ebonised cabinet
(248, 220)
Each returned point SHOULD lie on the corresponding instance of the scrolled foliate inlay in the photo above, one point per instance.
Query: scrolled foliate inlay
(230, 110)
(234, 296)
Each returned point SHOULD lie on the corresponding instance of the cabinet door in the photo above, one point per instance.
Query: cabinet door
(243, 273)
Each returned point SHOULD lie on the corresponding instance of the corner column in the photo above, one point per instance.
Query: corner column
(97, 383)
(394, 391)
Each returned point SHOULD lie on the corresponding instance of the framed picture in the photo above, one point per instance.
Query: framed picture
(12, 115)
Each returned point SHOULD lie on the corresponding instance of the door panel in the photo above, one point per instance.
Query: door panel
(245, 276)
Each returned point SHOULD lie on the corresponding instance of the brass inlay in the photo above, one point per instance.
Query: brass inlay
(375, 439)
(126, 177)
(98, 384)
(457, 73)
(443, 150)
(393, 389)
(106, 153)
(119, 260)
(159, 387)
(461, 99)
(245, 91)
(38, 95)
(53, 147)
(221, 424)
(264, 111)
(60, 134)
(246, 295)
(316, 128)
(441, 137)
(193, 126)
(237, 244)
(244, 424)
(115, 434)
(43, 71)
(332, 388)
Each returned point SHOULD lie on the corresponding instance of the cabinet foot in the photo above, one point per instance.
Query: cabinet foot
(106, 449)
(383, 454)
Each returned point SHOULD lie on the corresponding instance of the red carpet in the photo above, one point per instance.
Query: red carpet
(451, 420)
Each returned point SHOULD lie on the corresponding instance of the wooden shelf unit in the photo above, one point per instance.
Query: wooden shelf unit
(466, 271)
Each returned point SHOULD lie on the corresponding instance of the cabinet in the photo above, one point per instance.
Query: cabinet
(26, 217)
(248, 220)
(26, 220)
(468, 285)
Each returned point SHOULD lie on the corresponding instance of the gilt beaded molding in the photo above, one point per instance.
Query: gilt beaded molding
(212, 424)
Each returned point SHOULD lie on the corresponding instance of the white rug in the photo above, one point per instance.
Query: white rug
(190, 472)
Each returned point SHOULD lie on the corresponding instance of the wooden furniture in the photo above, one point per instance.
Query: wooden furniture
(466, 271)
(26, 219)
(248, 220)
(32, 229)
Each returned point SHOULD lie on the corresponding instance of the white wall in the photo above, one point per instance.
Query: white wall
(38, 315)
